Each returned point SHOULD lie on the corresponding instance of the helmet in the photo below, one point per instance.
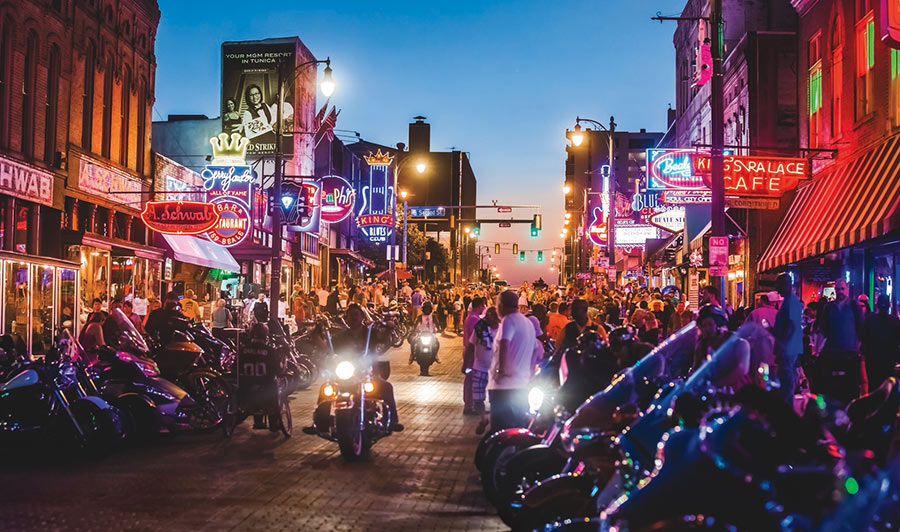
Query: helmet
(622, 335)
(393, 305)
(714, 312)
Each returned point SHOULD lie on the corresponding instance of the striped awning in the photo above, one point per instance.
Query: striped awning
(852, 202)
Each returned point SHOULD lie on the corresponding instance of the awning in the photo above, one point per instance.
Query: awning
(402, 275)
(354, 255)
(853, 202)
(201, 252)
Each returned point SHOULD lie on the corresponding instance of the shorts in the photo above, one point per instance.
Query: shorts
(479, 385)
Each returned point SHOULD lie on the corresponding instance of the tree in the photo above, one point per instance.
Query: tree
(417, 243)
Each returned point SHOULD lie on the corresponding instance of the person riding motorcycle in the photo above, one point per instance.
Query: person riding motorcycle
(160, 321)
(626, 346)
(353, 340)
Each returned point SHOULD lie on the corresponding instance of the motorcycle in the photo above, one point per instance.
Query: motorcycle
(126, 376)
(44, 402)
(350, 410)
(424, 349)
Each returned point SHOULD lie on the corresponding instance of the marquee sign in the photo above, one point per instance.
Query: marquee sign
(375, 216)
(337, 199)
(180, 217)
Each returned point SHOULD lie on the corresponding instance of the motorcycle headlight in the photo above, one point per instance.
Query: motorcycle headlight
(535, 399)
(426, 339)
(328, 390)
(344, 370)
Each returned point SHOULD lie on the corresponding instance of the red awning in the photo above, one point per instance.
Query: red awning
(852, 202)
(401, 274)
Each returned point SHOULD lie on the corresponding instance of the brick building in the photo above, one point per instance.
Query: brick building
(844, 223)
(76, 92)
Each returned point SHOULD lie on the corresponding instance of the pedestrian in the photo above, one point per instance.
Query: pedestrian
(282, 309)
(841, 374)
(260, 309)
(510, 365)
(580, 323)
(787, 328)
(764, 313)
(189, 306)
(557, 319)
(96, 308)
(880, 342)
(333, 301)
(128, 309)
(457, 314)
(475, 315)
(416, 300)
(92, 335)
(221, 320)
(482, 341)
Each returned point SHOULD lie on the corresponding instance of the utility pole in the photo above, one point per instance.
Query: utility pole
(275, 264)
(611, 221)
(717, 164)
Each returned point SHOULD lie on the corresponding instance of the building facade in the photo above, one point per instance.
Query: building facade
(76, 93)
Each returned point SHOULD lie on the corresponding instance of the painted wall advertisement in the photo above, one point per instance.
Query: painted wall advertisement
(26, 182)
(250, 92)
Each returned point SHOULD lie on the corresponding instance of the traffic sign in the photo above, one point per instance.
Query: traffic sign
(504, 209)
(505, 224)
(426, 211)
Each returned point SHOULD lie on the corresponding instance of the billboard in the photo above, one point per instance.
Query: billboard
(250, 92)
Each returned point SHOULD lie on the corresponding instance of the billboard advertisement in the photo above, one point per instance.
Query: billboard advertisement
(250, 92)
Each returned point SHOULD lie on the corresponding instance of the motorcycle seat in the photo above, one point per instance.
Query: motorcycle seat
(869, 405)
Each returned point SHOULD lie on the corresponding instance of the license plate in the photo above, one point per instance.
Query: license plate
(426, 350)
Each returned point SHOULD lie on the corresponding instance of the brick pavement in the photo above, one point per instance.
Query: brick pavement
(421, 479)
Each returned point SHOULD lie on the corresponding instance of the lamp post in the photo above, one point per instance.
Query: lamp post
(420, 167)
(577, 138)
(327, 87)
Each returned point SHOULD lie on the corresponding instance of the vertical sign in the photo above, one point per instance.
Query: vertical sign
(376, 213)
(718, 256)
(694, 290)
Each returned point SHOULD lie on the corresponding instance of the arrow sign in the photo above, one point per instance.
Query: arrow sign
(505, 224)
(504, 209)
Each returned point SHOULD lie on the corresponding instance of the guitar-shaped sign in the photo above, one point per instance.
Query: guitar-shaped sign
(597, 229)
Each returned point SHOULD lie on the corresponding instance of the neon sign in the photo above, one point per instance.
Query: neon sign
(671, 169)
(889, 23)
(337, 199)
(756, 176)
(179, 217)
(228, 183)
(597, 229)
(233, 222)
(375, 217)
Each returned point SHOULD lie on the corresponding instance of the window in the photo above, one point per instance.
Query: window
(87, 98)
(865, 63)
(837, 78)
(28, 96)
(51, 105)
(5, 79)
(141, 126)
(125, 108)
(815, 91)
(106, 140)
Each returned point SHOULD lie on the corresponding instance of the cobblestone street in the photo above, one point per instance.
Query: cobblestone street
(420, 479)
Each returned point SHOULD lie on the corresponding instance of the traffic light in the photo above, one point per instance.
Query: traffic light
(540, 257)
(496, 249)
(536, 222)
(476, 229)
(534, 229)
(515, 249)
(522, 256)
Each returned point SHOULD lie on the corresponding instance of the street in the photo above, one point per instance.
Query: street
(420, 479)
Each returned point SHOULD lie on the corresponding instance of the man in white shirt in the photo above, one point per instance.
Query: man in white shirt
(514, 346)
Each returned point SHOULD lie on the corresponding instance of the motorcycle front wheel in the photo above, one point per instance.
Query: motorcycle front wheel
(216, 402)
(351, 440)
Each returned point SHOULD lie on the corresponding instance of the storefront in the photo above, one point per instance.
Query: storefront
(40, 295)
(845, 224)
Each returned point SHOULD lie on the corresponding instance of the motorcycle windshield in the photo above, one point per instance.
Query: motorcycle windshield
(122, 334)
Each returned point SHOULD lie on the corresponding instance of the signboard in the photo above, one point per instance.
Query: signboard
(101, 180)
(504, 209)
(180, 217)
(377, 202)
(250, 92)
(26, 182)
(771, 204)
(718, 256)
(672, 169)
(505, 224)
(671, 220)
(889, 23)
(426, 212)
(748, 175)
(337, 199)
(635, 235)
(611, 272)
(583, 275)
(694, 290)
(178, 190)
(687, 197)
(604, 262)
(234, 222)
(597, 230)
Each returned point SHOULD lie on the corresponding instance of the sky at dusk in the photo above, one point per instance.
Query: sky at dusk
(501, 80)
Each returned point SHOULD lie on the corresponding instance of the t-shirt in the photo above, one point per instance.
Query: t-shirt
(483, 353)
(416, 300)
(838, 324)
(139, 306)
(555, 324)
(764, 316)
(468, 327)
(518, 332)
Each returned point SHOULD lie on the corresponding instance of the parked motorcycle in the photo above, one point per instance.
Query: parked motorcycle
(424, 349)
(350, 409)
(44, 402)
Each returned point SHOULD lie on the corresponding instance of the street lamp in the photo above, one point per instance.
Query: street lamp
(577, 135)
(568, 215)
(327, 87)
(403, 194)
(567, 189)
(420, 167)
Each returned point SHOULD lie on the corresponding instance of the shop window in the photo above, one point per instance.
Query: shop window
(87, 98)
(101, 221)
(23, 217)
(28, 94)
(6, 60)
(106, 138)
(68, 280)
(141, 132)
(95, 279)
(51, 106)
(15, 319)
(865, 65)
(815, 91)
(122, 276)
(837, 78)
(42, 286)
